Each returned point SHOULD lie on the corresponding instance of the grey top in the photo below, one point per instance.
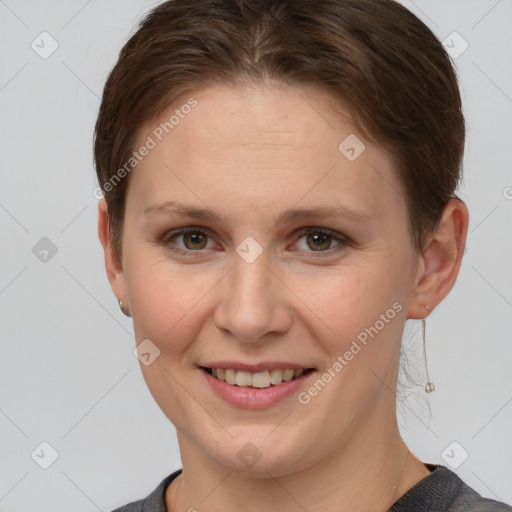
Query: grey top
(440, 491)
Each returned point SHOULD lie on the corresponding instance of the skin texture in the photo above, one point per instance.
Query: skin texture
(250, 153)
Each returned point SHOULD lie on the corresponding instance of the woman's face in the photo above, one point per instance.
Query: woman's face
(264, 283)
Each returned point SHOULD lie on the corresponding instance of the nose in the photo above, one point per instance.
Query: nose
(252, 301)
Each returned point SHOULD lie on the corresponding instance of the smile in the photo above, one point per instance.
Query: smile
(262, 379)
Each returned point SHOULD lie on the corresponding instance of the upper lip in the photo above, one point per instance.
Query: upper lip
(255, 368)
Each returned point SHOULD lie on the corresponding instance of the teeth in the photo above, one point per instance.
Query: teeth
(276, 377)
(243, 379)
(287, 375)
(230, 376)
(262, 379)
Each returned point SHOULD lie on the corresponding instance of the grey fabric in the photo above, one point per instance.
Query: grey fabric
(444, 491)
(440, 491)
(155, 502)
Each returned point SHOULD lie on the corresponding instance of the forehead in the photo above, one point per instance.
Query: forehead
(267, 147)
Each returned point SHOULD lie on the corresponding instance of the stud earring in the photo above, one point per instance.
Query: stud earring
(429, 386)
(123, 309)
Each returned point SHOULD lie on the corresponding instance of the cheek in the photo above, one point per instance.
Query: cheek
(163, 298)
(364, 315)
(165, 303)
(351, 299)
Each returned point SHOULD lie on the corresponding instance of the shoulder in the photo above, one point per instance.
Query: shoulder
(444, 491)
(468, 500)
(154, 502)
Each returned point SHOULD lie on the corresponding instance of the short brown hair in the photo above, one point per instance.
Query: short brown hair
(375, 56)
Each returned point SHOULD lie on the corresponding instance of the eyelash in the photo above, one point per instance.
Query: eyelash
(338, 237)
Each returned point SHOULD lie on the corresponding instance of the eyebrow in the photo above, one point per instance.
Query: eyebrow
(288, 216)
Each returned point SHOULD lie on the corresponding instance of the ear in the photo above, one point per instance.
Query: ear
(113, 265)
(440, 261)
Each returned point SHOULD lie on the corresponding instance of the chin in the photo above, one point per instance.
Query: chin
(258, 450)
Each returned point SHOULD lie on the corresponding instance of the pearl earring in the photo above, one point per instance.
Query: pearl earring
(123, 309)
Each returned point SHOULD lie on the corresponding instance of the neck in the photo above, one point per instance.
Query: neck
(370, 472)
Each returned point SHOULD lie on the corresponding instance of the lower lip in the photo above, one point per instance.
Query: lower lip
(255, 398)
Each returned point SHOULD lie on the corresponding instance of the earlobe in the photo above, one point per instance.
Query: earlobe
(440, 260)
(113, 266)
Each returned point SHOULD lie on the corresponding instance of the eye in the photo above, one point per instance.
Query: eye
(192, 240)
(320, 240)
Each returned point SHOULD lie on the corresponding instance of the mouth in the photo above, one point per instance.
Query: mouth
(259, 380)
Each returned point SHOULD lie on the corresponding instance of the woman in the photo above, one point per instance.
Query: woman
(279, 182)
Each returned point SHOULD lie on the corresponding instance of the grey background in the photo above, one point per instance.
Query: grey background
(68, 376)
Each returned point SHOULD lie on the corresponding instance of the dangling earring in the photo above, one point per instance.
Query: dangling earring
(429, 386)
(123, 309)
